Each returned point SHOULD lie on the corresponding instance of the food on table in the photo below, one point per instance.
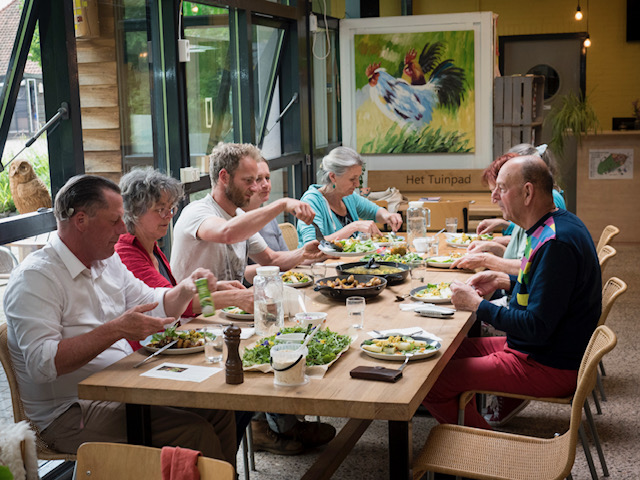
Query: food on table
(396, 345)
(186, 339)
(435, 290)
(295, 277)
(350, 245)
(350, 282)
(323, 348)
(386, 238)
(452, 257)
(399, 250)
(381, 270)
(394, 257)
(466, 239)
(235, 310)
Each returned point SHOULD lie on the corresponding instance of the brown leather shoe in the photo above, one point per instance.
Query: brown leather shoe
(311, 434)
(265, 439)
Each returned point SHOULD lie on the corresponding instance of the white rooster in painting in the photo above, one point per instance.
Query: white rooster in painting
(410, 100)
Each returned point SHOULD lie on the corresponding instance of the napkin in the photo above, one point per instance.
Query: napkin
(181, 372)
(410, 331)
(408, 307)
(294, 301)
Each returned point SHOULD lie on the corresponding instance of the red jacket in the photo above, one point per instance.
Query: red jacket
(138, 261)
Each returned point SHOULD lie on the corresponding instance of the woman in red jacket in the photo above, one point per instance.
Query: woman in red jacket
(150, 200)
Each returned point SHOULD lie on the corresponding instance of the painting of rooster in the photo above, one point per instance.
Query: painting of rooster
(410, 100)
(423, 102)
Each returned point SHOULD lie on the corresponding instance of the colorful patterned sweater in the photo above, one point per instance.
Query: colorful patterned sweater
(557, 295)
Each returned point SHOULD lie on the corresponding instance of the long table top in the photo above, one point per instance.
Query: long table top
(336, 394)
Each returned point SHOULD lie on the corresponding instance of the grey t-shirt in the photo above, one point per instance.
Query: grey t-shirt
(227, 262)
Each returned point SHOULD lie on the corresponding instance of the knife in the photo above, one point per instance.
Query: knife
(156, 353)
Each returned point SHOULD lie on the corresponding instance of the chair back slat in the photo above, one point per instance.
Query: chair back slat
(607, 235)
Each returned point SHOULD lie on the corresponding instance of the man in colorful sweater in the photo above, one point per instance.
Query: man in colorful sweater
(554, 308)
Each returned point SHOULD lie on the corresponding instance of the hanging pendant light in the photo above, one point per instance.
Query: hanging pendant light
(578, 15)
(587, 42)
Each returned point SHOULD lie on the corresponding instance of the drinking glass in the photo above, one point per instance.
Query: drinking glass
(213, 342)
(318, 270)
(355, 310)
(364, 236)
(451, 223)
(418, 272)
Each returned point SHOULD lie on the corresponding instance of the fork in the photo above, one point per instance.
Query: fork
(323, 241)
(407, 356)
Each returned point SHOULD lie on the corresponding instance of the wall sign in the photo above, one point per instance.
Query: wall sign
(611, 164)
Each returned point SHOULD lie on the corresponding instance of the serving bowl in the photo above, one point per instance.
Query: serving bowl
(344, 293)
(391, 278)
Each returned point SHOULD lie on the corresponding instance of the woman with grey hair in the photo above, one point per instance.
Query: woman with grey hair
(338, 208)
(150, 202)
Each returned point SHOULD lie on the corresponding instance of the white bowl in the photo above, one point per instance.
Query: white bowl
(310, 318)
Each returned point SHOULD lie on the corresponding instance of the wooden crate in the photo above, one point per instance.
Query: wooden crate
(517, 111)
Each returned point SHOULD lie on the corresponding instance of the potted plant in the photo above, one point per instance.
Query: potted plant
(572, 115)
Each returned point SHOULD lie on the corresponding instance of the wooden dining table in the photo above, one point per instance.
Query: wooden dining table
(334, 395)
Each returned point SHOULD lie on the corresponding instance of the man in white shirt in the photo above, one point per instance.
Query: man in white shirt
(72, 306)
(215, 232)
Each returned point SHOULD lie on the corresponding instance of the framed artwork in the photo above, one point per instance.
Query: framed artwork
(418, 86)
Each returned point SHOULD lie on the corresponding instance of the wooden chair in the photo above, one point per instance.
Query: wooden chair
(610, 292)
(8, 262)
(467, 396)
(440, 211)
(290, 235)
(605, 254)
(98, 460)
(606, 236)
(486, 454)
(44, 452)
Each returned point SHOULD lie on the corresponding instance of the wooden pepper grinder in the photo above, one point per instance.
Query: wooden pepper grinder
(233, 366)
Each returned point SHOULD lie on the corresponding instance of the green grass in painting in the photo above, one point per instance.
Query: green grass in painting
(427, 140)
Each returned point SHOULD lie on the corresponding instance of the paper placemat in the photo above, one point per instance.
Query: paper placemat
(181, 372)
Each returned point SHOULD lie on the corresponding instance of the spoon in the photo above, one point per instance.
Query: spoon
(308, 339)
(328, 245)
(407, 356)
(439, 232)
(372, 264)
(400, 298)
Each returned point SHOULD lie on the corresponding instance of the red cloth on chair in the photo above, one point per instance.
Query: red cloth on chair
(179, 463)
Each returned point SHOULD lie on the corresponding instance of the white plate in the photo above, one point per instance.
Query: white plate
(333, 253)
(428, 299)
(298, 284)
(389, 244)
(438, 262)
(238, 316)
(170, 351)
(400, 358)
(472, 237)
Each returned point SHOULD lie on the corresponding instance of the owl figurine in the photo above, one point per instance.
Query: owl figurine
(28, 191)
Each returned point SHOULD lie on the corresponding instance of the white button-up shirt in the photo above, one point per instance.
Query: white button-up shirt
(52, 296)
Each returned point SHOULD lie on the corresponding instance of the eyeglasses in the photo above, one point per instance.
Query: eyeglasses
(166, 212)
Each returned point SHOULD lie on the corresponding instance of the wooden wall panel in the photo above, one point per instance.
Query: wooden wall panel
(98, 96)
(96, 50)
(100, 118)
(427, 180)
(604, 202)
(103, 162)
(99, 73)
(101, 139)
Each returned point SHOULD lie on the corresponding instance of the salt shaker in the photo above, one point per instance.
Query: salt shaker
(233, 366)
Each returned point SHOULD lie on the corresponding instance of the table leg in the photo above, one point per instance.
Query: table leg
(138, 424)
(400, 449)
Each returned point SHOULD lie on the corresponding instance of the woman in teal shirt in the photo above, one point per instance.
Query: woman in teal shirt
(340, 212)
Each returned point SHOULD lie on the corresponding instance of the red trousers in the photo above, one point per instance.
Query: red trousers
(487, 363)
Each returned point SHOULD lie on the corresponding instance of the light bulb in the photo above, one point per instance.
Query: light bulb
(587, 42)
(194, 9)
(578, 14)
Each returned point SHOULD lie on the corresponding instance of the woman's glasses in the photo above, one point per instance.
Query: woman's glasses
(166, 212)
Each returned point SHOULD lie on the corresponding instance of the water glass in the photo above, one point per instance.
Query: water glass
(355, 310)
(364, 236)
(318, 270)
(213, 342)
(451, 223)
(418, 273)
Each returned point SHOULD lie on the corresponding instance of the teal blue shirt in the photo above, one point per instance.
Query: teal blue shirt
(357, 206)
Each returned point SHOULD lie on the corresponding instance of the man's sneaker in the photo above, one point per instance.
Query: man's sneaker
(502, 409)
(311, 434)
(265, 439)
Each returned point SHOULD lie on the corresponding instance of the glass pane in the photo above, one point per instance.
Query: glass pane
(326, 102)
(279, 187)
(208, 76)
(272, 143)
(10, 17)
(136, 122)
(267, 42)
(28, 117)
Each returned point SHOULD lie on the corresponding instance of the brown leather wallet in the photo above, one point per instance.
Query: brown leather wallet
(376, 373)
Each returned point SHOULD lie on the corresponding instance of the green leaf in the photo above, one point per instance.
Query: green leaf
(572, 115)
(5, 473)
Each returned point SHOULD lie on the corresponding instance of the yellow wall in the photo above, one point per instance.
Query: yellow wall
(613, 65)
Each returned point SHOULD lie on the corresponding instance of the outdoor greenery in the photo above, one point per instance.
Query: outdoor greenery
(427, 140)
(41, 167)
(572, 115)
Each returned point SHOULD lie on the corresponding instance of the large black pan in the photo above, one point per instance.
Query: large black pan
(343, 293)
(391, 278)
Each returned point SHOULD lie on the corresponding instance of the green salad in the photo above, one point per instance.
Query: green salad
(324, 347)
(389, 257)
(354, 245)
